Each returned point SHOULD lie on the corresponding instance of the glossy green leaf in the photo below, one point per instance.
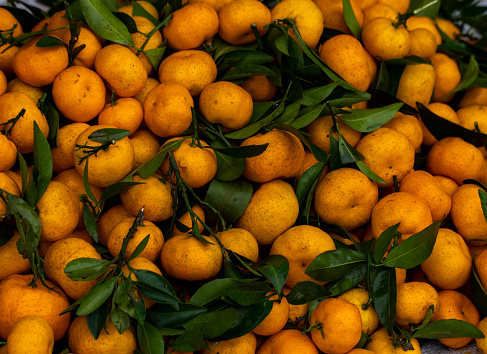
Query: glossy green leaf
(306, 291)
(381, 98)
(24, 214)
(409, 60)
(188, 341)
(334, 159)
(120, 319)
(151, 166)
(368, 120)
(243, 151)
(43, 160)
(442, 128)
(483, 202)
(368, 172)
(82, 269)
(213, 324)
(96, 297)
(214, 289)
(275, 268)
(384, 242)
(316, 95)
(115, 189)
(104, 23)
(260, 108)
(448, 329)
(307, 182)
(229, 198)
(469, 76)
(228, 168)
(248, 318)
(139, 10)
(350, 19)
(307, 115)
(428, 11)
(243, 72)
(49, 41)
(108, 134)
(248, 294)
(97, 319)
(86, 184)
(246, 57)
(334, 264)
(150, 339)
(90, 223)
(415, 249)
(155, 56)
(140, 247)
(166, 316)
(479, 294)
(349, 281)
(347, 153)
(384, 293)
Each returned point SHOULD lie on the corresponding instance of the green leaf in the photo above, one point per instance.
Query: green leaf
(248, 318)
(98, 319)
(334, 264)
(242, 72)
(83, 269)
(140, 247)
(155, 55)
(307, 115)
(115, 189)
(214, 289)
(248, 294)
(381, 98)
(347, 153)
(87, 187)
(384, 293)
(290, 112)
(469, 76)
(166, 316)
(24, 214)
(478, 292)
(246, 57)
(229, 198)
(138, 10)
(442, 128)
(228, 168)
(451, 328)
(49, 41)
(306, 291)
(350, 19)
(213, 324)
(242, 151)
(483, 202)
(368, 172)
(349, 281)
(384, 242)
(430, 11)
(316, 95)
(308, 181)
(159, 291)
(120, 319)
(188, 341)
(104, 23)
(275, 268)
(90, 222)
(96, 297)
(43, 160)
(415, 249)
(368, 120)
(106, 135)
(150, 338)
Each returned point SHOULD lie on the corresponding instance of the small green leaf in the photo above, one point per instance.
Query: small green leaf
(151, 166)
(115, 189)
(155, 56)
(350, 19)
(108, 134)
(350, 280)
(243, 151)
(140, 247)
(306, 291)
(290, 112)
(82, 269)
(104, 23)
(368, 120)
(275, 268)
(188, 341)
(248, 318)
(307, 182)
(368, 172)
(384, 242)
(90, 222)
(214, 289)
(229, 198)
(384, 293)
(307, 115)
(49, 41)
(150, 338)
(316, 95)
(96, 297)
(248, 294)
(347, 153)
(213, 324)
(166, 316)
(43, 160)
(483, 202)
(242, 72)
(98, 319)
(415, 249)
(120, 319)
(334, 264)
(469, 76)
(228, 168)
(139, 10)
(451, 328)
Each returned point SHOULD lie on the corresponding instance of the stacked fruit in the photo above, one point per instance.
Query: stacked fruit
(240, 176)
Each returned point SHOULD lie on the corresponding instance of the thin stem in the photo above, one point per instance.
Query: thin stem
(92, 150)
(12, 121)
